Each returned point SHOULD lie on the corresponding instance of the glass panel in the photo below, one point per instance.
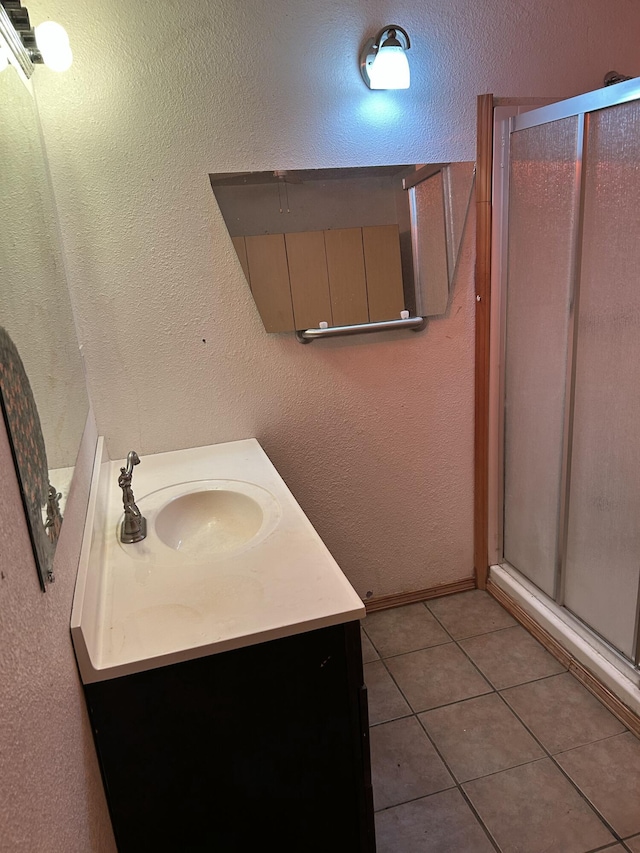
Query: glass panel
(603, 556)
(430, 247)
(458, 186)
(539, 270)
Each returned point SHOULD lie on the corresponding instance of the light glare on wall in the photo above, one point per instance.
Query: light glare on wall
(384, 63)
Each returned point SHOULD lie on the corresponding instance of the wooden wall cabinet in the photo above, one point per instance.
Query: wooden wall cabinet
(350, 246)
(261, 748)
(342, 276)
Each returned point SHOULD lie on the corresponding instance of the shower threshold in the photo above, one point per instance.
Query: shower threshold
(609, 667)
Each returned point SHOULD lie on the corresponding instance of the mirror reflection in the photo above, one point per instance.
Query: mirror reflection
(35, 311)
(346, 246)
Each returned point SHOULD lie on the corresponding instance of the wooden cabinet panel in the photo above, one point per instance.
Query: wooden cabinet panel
(309, 279)
(344, 276)
(241, 251)
(347, 283)
(269, 277)
(384, 272)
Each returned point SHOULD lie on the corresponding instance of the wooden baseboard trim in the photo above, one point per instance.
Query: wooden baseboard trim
(385, 602)
(550, 644)
(626, 716)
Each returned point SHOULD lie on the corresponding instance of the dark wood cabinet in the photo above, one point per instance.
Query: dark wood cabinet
(262, 747)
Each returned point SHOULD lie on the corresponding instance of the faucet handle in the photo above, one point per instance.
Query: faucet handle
(132, 459)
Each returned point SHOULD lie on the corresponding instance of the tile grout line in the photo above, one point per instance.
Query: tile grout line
(457, 642)
(420, 649)
(562, 751)
(486, 677)
(446, 704)
(614, 832)
(416, 650)
(546, 753)
(555, 763)
(453, 787)
(458, 785)
(414, 800)
(453, 777)
(434, 707)
(414, 714)
(545, 750)
(480, 633)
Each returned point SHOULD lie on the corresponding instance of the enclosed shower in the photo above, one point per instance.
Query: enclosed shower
(566, 378)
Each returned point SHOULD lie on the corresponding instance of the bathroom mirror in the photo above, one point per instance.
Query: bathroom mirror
(348, 246)
(35, 308)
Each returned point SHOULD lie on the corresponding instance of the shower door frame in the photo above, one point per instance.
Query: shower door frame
(491, 326)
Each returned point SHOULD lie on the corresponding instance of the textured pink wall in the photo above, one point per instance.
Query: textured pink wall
(374, 435)
(375, 439)
(51, 795)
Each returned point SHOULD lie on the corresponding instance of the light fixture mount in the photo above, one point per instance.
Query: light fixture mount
(613, 77)
(387, 49)
(15, 27)
(47, 44)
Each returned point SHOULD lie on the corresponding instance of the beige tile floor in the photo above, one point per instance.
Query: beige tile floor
(481, 741)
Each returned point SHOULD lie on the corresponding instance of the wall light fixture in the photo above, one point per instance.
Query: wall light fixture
(48, 43)
(613, 77)
(383, 61)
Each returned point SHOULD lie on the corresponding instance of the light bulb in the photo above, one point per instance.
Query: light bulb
(53, 44)
(390, 69)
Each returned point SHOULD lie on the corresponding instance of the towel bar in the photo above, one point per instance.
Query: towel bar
(308, 335)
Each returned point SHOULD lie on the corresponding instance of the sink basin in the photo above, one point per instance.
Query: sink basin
(203, 520)
(212, 520)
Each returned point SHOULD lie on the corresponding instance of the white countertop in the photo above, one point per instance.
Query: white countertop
(141, 606)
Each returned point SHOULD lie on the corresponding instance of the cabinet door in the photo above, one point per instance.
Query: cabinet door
(269, 277)
(309, 279)
(347, 281)
(263, 748)
(384, 272)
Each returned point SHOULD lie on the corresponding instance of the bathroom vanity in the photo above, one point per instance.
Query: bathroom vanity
(221, 663)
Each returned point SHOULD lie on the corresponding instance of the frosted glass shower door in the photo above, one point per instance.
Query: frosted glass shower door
(542, 212)
(603, 545)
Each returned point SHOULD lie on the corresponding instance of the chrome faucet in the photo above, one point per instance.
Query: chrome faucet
(54, 517)
(134, 525)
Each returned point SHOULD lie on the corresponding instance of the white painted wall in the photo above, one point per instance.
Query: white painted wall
(374, 436)
(52, 796)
